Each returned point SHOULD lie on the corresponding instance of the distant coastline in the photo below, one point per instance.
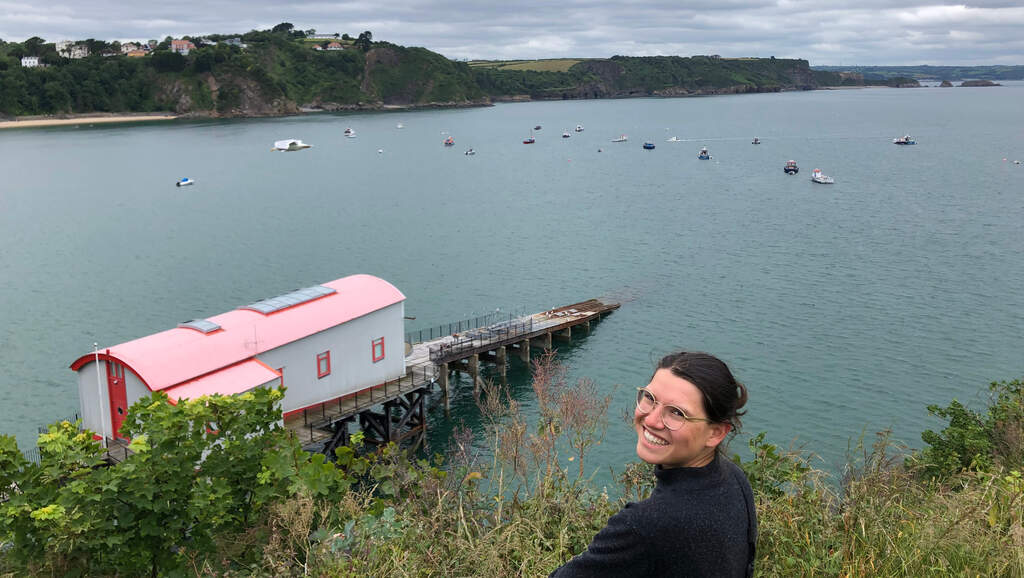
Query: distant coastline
(72, 119)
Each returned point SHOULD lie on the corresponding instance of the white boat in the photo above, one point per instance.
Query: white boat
(579, 128)
(704, 154)
(904, 140)
(817, 177)
(673, 139)
(184, 182)
(566, 134)
(470, 152)
(349, 131)
(290, 144)
(622, 138)
(399, 125)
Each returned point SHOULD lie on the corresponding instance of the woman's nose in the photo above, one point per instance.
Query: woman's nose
(653, 420)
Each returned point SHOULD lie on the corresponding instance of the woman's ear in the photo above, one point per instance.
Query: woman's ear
(718, 431)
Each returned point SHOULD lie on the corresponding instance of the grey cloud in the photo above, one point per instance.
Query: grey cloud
(822, 31)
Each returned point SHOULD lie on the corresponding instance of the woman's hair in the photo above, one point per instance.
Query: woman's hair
(724, 397)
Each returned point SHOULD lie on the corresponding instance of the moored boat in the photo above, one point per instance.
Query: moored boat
(579, 128)
(622, 138)
(819, 178)
(791, 168)
(703, 154)
(904, 140)
(184, 182)
(290, 145)
(565, 134)
(648, 145)
(470, 152)
(448, 142)
(755, 141)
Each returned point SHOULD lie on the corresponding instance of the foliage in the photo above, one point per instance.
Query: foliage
(974, 440)
(216, 487)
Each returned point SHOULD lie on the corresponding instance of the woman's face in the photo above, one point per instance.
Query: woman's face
(693, 444)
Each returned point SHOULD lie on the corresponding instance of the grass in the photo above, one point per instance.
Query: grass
(546, 65)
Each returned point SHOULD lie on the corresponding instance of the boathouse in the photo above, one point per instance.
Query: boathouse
(322, 342)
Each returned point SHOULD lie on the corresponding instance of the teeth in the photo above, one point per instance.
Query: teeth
(654, 440)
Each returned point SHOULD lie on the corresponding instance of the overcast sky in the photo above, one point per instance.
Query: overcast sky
(840, 32)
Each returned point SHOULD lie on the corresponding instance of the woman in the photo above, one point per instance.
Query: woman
(700, 518)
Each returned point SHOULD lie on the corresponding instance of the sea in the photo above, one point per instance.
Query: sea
(846, 309)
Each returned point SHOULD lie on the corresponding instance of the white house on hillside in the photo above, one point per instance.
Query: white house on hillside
(30, 61)
(321, 342)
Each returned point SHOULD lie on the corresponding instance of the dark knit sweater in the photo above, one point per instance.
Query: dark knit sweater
(697, 522)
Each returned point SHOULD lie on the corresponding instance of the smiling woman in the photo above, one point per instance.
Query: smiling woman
(700, 519)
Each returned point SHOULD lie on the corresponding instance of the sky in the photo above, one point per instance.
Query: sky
(824, 32)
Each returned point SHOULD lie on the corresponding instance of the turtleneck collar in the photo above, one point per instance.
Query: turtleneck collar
(711, 472)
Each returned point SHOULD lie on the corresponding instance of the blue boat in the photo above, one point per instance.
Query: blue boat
(649, 145)
(184, 182)
(703, 154)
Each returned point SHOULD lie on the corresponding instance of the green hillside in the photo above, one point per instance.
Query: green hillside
(281, 71)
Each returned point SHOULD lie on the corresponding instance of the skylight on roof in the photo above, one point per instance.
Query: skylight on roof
(297, 297)
(200, 325)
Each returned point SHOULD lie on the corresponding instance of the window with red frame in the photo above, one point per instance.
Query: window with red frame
(323, 364)
(378, 349)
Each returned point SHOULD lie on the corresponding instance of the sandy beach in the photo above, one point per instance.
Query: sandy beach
(36, 122)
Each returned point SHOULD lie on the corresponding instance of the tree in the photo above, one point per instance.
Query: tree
(365, 41)
(283, 27)
(34, 46)
(197, 468)
(167, 61)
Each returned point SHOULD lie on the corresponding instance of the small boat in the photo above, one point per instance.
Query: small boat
(648, 145)
(673, 139)
(184, 182)
(290, 145)
(565, 134)
(817, 177)
(349, 131)
(791, 168)
(536, 127)
(350, 134)
(470, 152)
(579, 128)
(529, 140)
(904, 140)
(755, 141)
(399, 125)
(448, 142)
(703, 154)
(622, 138)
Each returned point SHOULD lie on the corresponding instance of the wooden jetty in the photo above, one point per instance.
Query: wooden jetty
(402, 413)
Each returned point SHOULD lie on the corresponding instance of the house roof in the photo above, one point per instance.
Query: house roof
(182, 354)
(228, 381)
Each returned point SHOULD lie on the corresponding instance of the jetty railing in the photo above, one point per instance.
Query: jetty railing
(430, 333)
(481, 336)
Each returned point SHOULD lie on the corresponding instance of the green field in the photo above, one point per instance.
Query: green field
(548, 65)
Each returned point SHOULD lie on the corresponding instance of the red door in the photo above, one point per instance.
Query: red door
(118, 397)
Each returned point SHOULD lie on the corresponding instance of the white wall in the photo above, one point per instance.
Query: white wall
(352, 366)
(94, 402)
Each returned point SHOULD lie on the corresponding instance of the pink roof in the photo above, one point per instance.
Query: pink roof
(178, 355)
(228, 381)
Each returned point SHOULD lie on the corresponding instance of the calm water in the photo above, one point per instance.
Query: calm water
(844, 308)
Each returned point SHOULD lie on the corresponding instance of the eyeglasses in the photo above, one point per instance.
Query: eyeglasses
(671, 416)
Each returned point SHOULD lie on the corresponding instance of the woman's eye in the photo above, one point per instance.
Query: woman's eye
(676, 412)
